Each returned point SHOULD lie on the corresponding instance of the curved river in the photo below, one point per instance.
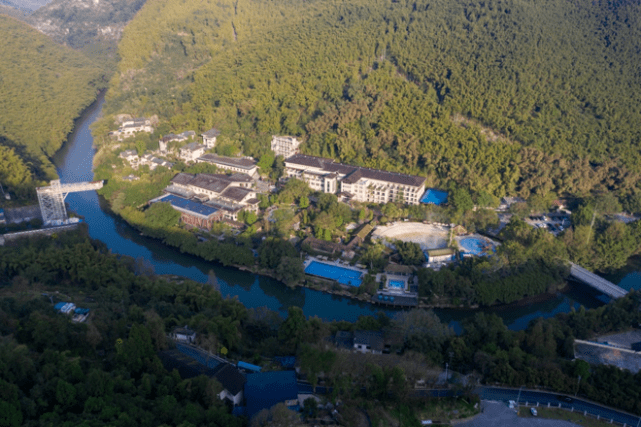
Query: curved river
(74, 163)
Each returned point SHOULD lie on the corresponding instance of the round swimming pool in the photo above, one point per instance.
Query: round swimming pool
(476, 246)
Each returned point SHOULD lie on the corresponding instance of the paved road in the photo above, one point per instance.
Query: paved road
(526, 396)
(532, 397)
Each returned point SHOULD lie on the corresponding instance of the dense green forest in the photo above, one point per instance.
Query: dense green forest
(510, 97)
(106, 372)
(43, 88)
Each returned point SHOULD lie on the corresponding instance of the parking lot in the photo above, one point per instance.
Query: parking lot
(553, 223)
(495, 414)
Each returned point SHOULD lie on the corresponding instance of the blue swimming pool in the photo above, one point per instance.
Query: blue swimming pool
(342, 275)
(476, 246)
(434, 196)
(398, 284)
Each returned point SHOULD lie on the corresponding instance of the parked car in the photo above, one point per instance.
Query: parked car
(533, 412)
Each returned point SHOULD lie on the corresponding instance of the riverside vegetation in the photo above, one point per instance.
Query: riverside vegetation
(106, 372)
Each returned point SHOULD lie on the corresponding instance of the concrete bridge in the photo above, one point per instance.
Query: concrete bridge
(599, 283)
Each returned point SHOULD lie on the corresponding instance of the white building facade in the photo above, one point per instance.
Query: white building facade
(192, 151)
(209, 138)
(130, 128)
(362, 184)
(285, 146)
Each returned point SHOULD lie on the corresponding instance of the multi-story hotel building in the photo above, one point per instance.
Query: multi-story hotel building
(361, 184)
(285, 146)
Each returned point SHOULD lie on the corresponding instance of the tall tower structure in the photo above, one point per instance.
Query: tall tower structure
(52, 198)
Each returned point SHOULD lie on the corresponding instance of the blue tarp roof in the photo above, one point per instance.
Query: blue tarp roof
(245, 365)
(59, 305)
(81, 310)
(266, 389)
(188, 205)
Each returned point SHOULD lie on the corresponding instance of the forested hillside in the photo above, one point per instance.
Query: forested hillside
(43, 88)
(412, 86)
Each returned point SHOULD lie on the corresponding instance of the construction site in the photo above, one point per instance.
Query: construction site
(622, 350)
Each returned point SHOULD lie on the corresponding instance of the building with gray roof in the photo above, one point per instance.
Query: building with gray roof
(235, 164)
(369, 342)
(209, 138)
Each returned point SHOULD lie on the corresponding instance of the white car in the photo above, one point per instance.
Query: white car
(533, 412)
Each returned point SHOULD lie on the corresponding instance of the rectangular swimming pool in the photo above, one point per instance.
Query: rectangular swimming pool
(342, 275)
(397, 284)
(434, 196)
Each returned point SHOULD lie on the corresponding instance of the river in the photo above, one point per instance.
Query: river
(74, 163)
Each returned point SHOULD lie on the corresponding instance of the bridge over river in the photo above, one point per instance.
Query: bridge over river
(599, 283)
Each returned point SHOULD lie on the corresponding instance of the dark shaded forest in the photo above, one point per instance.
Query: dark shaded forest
(106, 372)
(509, 97)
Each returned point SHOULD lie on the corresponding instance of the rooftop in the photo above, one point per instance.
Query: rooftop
(441, 252)
(236, 193)
(193, 146)
(211, 133)
(128, 153)
(186, 366)
(266, 389)
(183, 178)
(238, 162)
(184, 331)
(401, 269)
(212, 182)
(372, 339)
(230, 378)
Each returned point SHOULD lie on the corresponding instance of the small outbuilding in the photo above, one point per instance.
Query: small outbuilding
(233, 383)
(184, 334)
(369, 342)
(440, 255)
(65, 307)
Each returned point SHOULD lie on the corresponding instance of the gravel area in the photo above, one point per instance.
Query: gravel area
(428, 236)
(625, 339)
